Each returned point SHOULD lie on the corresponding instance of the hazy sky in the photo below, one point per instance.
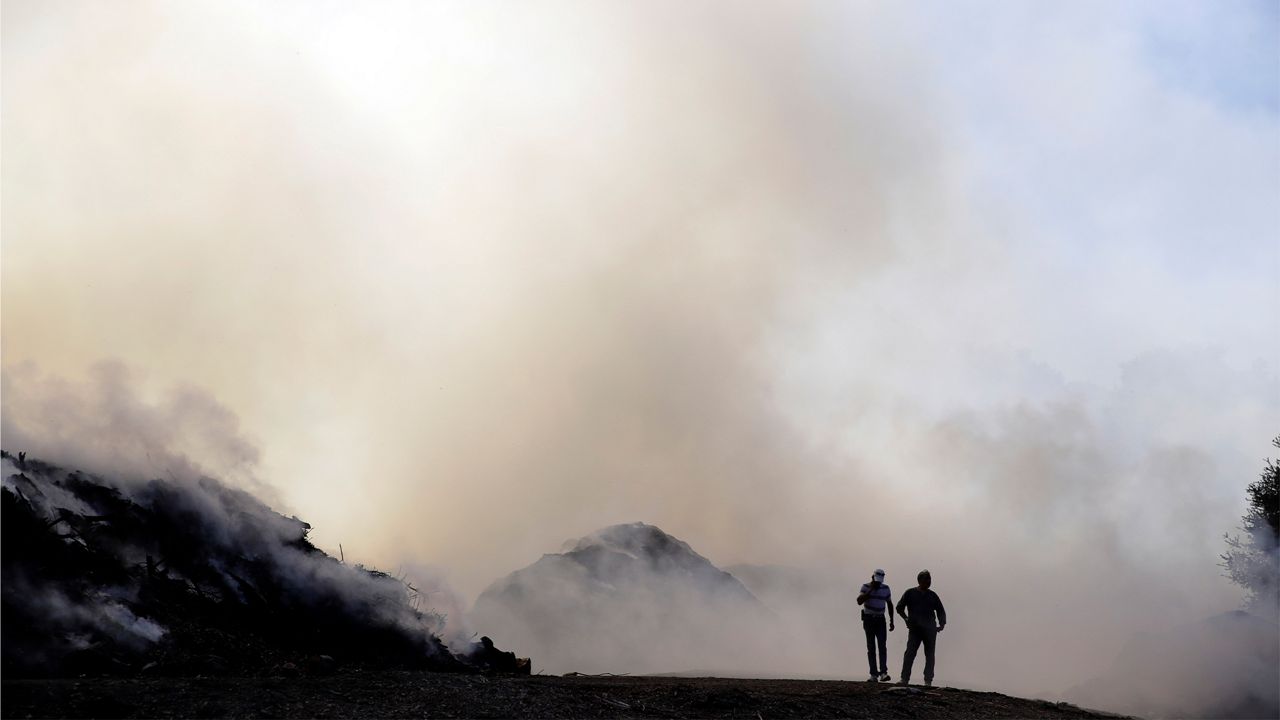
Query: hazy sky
(983, 287)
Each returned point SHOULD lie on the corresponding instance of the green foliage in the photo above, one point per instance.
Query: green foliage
(1264, 500)
(1253, 562)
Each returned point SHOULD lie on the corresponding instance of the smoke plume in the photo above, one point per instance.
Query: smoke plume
(829, 286)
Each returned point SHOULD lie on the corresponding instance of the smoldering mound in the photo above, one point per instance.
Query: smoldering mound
(629, 598)
(103, 576)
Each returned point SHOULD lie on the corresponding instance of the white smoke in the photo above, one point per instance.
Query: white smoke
(985, 288)
(106, 422)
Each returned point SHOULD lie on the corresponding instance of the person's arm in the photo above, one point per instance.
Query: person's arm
(862, 598)
(889, 604)
(902, 603)
(942, 612)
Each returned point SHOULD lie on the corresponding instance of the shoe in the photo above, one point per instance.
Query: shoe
(884, 677)
(873, 678)
(903, 681)
(928, 683)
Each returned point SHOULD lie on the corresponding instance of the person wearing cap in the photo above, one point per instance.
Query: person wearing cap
(919, 606)
(875, 598)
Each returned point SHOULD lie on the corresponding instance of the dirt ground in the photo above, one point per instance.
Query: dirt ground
(357, 694)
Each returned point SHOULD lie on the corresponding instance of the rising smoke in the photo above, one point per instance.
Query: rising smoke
(105, 423)
(98, 571)
(482, 281)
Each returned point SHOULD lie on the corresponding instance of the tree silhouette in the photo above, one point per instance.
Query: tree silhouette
(1253, 562)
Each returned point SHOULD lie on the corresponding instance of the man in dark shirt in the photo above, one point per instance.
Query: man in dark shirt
(918, 607)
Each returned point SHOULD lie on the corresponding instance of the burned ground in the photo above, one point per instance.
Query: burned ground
(417, 694)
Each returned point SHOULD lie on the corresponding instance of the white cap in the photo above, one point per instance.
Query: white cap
(878, 574)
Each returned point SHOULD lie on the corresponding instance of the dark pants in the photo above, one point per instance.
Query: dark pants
(915, 637)
(874, 627)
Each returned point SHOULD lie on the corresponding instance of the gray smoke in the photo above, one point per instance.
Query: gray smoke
(631, 599)
(148, 459)
(105, 423)
(826, 286)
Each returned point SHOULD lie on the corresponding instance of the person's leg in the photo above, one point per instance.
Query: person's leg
(882, 637)
(930, 639)
(868, 629)
(908, 657)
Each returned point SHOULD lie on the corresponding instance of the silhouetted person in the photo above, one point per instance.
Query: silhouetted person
(876, 601)
(918, 607)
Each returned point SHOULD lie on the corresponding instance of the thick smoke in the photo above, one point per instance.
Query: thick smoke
(630, 599)
(572, 290)
(139, 467)
(828, 286)
(105, 423)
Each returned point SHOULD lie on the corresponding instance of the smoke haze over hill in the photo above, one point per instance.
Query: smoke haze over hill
(981, 289)
(631, 599)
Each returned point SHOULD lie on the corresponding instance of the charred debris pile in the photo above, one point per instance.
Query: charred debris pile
(108, 577)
